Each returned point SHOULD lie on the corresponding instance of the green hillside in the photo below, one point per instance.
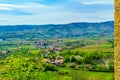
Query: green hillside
(72, 30)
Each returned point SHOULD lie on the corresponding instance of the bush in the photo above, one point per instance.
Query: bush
(73, 59)
(50, 67)
(22, 68)
(67, 59)
(99, 68)
(63, 72)
(72, 65)
(88, 59)
(63, 65)
(80, 60)
(111, 65)
(96, 55)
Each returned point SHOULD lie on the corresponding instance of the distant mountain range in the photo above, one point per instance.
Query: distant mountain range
(72, 30)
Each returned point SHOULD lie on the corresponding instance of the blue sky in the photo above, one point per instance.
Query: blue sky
(17, 12)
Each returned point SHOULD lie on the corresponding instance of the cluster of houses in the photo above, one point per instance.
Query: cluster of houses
(51, 46)
(5, 52)
(48, 47)
(57, 61)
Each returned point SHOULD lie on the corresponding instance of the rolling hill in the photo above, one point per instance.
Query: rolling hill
(72, 30)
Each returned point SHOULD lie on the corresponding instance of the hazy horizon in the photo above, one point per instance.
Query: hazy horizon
(56, 23)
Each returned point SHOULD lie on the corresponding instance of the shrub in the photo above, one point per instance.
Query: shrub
(111, 65)
(50, 67)
(22, 68)
(88, 59)
(67, 59)
(63, 72)
(72, 65)
(80, 60)
(73, 59)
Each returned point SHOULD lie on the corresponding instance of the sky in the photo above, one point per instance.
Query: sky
(38, 12)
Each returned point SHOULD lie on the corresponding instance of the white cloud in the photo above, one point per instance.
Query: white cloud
(98, 2)
(5, 8)
(27, 7)
(37, 8)
(10, 6)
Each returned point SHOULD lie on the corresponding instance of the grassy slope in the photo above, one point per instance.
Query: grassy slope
(78, 75)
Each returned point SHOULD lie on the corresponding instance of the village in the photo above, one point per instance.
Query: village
(52, 47)
(50, 50)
